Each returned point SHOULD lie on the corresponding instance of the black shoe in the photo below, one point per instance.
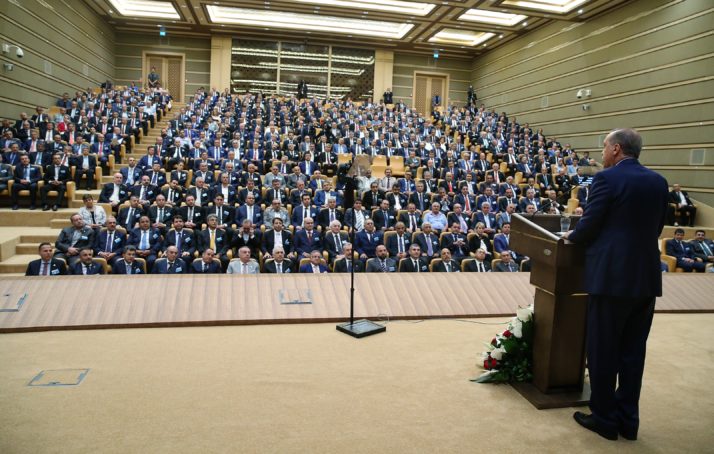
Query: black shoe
(54, 207)
(15, 207)
(32, 207)
(45, 207)
(589, 423)
(628, 435)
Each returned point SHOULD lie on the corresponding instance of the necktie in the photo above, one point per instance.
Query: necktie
(160, 217)
(245, 269)
(481, 267)
(338, 243)
(416, 265)
(401, 244)
(219, 214)
(144, 240)
(279, 268)
(171, 267)
(154, 176)
(467, 204)
(309, 237)
(178, 241)
(110, 241)
(45, 269)
(94, 220)
(448, 267)
(386, 219)
(429, 248)
(706, 249)
(129, 217)
(212, 242)
(128, 268)
(205, 267)
(383, 266)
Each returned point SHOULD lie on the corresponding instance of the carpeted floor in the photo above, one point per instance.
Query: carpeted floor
(308, 388)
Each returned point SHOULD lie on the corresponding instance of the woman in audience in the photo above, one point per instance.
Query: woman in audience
(481, 241)
(93, 215)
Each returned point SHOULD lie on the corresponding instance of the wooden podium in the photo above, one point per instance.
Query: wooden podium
(557, 268)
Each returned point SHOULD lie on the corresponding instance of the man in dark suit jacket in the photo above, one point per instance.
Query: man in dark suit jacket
(702, 247)
(269, 238)
(684, 253)
(128, 263)
(85, 165)
(171, 264)
(279, 264)
(385, 217)
(415, 263)
(219, 237)
(206, 265)
(146, 242)
(85, 265)
(398, 245)
(480, 264)
(334, 240)
(367, 240)
(382, 263)
(110, 242)
(181, 238)
(56, 178)
(315, 266)
(26, 178)
(46, 265)
(446, 264)
(129, 216)
(345, 263)
(307, 239)
(620, 228)
(192, 214)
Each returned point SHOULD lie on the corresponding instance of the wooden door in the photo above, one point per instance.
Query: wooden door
(426, 86)
(171, 72)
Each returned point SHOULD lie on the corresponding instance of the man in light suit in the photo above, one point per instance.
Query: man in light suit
(620, 228)
(244, 264)
(382, 263)
(72, 239)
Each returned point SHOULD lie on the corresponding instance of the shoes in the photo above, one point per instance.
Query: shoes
(589, 423)
(45, 207)
(628, 435)
(54, 207)
(32, 207)
(15, 207)
(676, 224)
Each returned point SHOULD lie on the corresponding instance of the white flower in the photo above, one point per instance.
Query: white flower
(524, 314)
(517, 328)
(497, 353)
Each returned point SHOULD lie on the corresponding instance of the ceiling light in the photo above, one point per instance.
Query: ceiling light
(555, 6)
(146, 8)
(500, 36)
(492, 17)
(525, 23)
(453, 36)
(392, 6)
(580, 11)
(297, 21)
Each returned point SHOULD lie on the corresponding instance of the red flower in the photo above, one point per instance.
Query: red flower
(486, 364)
(493, 342)
(507, 333)
(494, 363)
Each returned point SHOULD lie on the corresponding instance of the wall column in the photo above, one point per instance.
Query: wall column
(383, 71)
(221, 62)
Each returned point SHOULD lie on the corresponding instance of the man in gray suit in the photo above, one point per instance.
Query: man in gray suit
(72, 239)
(244, 264)
(382, 263)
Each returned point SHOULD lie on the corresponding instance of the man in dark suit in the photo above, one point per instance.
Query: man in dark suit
(85, 266)
(385, 217)
(180, 238)
(480, 264)
(620, 228)
(85, 165)
(279, 264)
(382, 263)
(171, 264)
(216, 239)
(115, 192)
(315, 266)
(192, 214)
(56, 178)
(398, 245)
(346, 262)
(46, 265)
(26, 178)
(684, 205)
(72, 239)
(702, 247)
(277, 236)
(129, 216)
(446, 264)
(367, 240)
(110, 242)
(684, 253)
(415, 263)
(145, 241)
(307, 239)
(128, 263)
(206, 265)
(428, 242)
(334, 240)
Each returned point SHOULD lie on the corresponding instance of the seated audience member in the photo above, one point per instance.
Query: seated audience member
(171, 264)
(215, 239)
(487, 219)
(367, 240)
(181, 238)
(85, 265)
(85, 165)
(436, 218)
(428, 242)
(481, 240)
(128, 264)
(315, 266)
(128, 216)
(114, 193)
(279, 264)
(345, 262)
(702, 247)
(415, 263)
(506, 264)
(110, 242)
(334, 240)
(206, 265)
(72, 239)
(382, 263)
(501, 242)
(356, 216)
(248, 236)
(244, 264)
(480, 264)
(93, 215)
(56, 177)
(192, 213)
(684, 253)
(447, 264)
(398, 245)
(146, 242)
(26, 178)
(685, 206)
(456, 243)
(46, 265)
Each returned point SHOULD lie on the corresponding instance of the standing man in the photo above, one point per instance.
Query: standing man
(625, 215)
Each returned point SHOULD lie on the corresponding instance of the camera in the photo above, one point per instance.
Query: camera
(20, 53)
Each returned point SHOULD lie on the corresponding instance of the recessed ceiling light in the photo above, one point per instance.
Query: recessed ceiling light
(525, 23)
(111, 11)
(491, 17)
(555, 6)
(500, 36)
(580, 11)
(461, 37)
(145, 8)
(301, 21)
(392, 6)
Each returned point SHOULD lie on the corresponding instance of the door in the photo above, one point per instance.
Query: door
(171, 72)
(426, 88)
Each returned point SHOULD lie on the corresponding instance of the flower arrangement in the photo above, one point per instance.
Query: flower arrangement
(509, 355)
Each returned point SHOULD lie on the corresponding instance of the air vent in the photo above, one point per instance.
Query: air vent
(544, 101)
(48, 67)
(696, 156)
(85, 70)
(601, 140)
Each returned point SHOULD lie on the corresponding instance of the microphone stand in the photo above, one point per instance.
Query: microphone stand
(364, 327)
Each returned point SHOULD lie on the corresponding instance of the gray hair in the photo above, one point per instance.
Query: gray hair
(629, 140)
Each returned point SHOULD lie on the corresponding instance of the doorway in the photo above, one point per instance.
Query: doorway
(426, 87)
(171, 69)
